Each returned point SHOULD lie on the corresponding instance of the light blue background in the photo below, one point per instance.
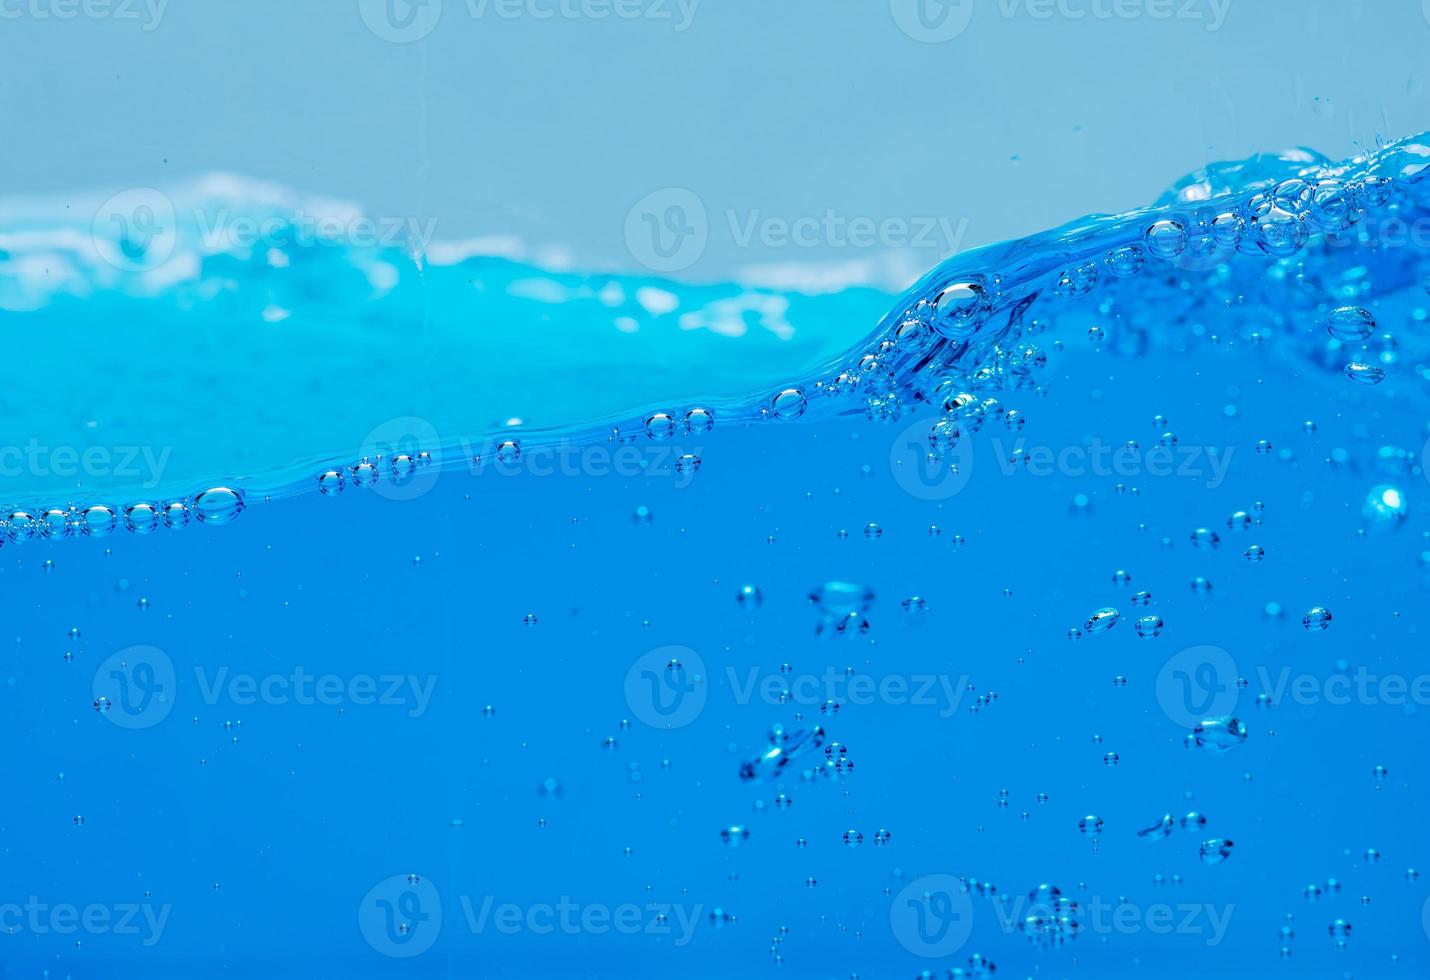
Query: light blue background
(549, 129)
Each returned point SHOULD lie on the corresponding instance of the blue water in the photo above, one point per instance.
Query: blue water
(1067, 623)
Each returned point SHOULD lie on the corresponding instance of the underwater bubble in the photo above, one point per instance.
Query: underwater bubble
(1350, 323)
(749, 596)
(176, 514)
(698, 421)
(1124, 261)
(734, 835)
(1162, 828)
(1254, 553)
(1216, 850)
(1102, 620)
(1193, 821)
(1219, 735)
(1317, 618)
(1385, 506)
(218, 505)
(1205, 539)
(1340, 929)
(660, 426)
(1363, 373)
(1149, 627)
(912, 335)
(364, 473)
(788, 404)
(331, 482)
(944, 436)
(642, 516)
(1090, 825)
(1096, 335)
(1142, 599)
(1111, 759)
(1121, 577)
(1239, 521)
(852, 838)
(882, 837)
(872, 530)
(687, 464)
(960, 308)
(842, 598)
(1166, 239)
(141, 518)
